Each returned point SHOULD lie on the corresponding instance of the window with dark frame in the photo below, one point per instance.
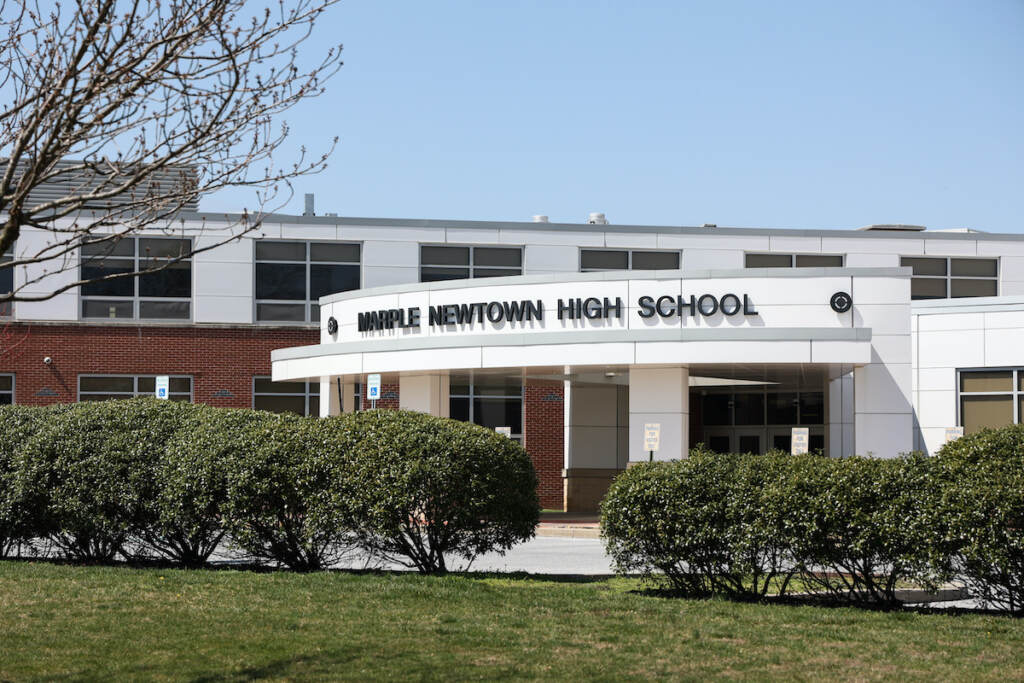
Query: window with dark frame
(446, 262)
(6, 282)
(990, 398)
(948, 277)
(162, 295)
(774, 260)
(6, 389)
(596, 260)
(292, 276)
(768, 409)
(106, 387)
(488, 401)
(301, 398)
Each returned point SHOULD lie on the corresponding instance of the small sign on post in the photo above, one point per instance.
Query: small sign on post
(953, 433)
(799, 440)
(373, 389)
(163, 387)
(652, 438)
(506, 431)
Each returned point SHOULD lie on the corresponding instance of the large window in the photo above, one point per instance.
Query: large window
(302, 398)
(461, 263)
(752, 421)
(103, 387)
(292, 276)
(6, 281)
(489, 401)
(163, 295)
(6, 390)
(952, 278)
(593, 260)
(991, 398)
(793, 260)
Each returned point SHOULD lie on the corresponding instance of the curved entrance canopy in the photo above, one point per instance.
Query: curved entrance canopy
(629, 349)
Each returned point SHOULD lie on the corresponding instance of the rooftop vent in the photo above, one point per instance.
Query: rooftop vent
(895, 227)
(540, 218)
(596, 218)
(309, 206)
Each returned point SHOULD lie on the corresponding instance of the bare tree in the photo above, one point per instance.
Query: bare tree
(117, 115)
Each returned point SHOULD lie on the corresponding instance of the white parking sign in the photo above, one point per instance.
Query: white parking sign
(373, 387)
(163, 383)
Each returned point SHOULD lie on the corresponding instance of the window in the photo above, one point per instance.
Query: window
(461, 263)
(103, 387)
(991, 398)
(302, 398)
(952, 278)
(593, 260)
(292, 276)
(793, 260)
(6, 281)
(6, 390)
(755, 408)
(163, 295)
(489, 401)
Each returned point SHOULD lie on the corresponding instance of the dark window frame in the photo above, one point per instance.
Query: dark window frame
(309, 304)
(472, 395)
(137, 299)
(12, 392)
(1015, 393)
(792, 258)
(307, 394)
(948, 278)
(135, 385)
(474, 270)
(629, 258)
(7, 308)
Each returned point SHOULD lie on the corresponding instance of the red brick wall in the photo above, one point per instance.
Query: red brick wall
(221, 361)
(545, 429)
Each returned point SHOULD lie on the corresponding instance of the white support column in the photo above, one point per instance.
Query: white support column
(662, 396)
(424, 394)
(330, 402)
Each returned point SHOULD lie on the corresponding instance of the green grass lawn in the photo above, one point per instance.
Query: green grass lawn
(78, 623)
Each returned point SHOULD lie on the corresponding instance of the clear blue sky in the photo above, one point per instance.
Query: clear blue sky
(776, 114)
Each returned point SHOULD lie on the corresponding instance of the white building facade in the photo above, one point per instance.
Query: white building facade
(877, 341)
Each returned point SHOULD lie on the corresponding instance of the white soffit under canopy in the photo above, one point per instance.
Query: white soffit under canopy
(772, 316)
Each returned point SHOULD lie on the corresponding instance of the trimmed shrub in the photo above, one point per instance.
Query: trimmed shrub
(17, 425)
(982, 507)
(91, 469)
(287, 503)
(424, 487)
(856, 527)
(184, 515)
(698, 522)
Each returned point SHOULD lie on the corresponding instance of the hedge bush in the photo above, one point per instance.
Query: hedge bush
(17, 425)
(89, 469)
(424, 487)
(696, 521)
(981, 504)
(184, 515)
(856, 528)
(287, 484)
(853, 529)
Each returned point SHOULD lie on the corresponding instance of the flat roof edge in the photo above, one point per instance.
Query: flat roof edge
(440, 223)
(615, 275)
